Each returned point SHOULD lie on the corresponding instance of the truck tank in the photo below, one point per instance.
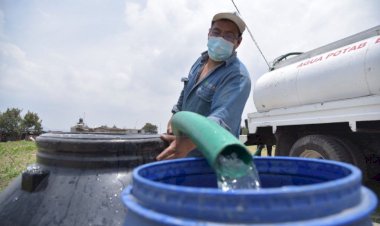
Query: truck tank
(77, 179)
(345, 69)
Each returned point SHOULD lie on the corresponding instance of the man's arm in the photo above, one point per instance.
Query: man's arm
(178, 106)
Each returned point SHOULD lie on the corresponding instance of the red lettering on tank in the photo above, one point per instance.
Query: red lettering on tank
(330, 54)
(344, 51)
(352, 48)
(337, 53)
(361, 45)
(310, 61)
(316, 60)
(303, 64)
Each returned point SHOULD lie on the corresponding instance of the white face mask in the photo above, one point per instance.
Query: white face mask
(219, 49)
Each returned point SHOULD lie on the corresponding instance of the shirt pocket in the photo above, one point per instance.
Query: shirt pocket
(206, 92)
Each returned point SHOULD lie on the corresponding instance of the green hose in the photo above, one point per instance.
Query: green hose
(211, 139)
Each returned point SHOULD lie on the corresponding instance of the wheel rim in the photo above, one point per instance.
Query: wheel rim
(311, 154)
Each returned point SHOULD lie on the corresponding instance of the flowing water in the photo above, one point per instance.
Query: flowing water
(235, 174)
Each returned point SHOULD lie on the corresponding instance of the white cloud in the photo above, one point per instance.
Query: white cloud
(1, 24)
(121, 62)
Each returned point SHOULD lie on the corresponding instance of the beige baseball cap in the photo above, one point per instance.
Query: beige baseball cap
(232, 17)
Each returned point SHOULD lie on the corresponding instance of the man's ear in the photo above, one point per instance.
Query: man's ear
(238, 42)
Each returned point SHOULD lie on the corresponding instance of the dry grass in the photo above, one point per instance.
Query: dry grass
(15, 156)
(252, 149)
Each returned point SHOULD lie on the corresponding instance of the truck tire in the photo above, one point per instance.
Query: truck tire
(357, 157)
(322, 147)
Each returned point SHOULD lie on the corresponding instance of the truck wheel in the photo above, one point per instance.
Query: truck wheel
(357, 157)
(321, 147)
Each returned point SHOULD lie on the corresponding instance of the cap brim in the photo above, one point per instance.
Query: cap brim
(232, 17)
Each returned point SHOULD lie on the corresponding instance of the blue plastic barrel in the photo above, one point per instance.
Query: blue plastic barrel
(295, 191)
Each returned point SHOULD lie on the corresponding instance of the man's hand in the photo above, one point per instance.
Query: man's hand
(178, 147)
(169, 152)
(169, 127)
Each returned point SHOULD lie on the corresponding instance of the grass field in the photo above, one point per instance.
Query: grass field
(15, 156)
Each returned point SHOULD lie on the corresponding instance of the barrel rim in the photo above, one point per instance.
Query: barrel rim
(94, 136)
(355, 175)
(305, 200)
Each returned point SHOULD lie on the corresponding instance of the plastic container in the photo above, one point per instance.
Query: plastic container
(295, 191)
(77, 180)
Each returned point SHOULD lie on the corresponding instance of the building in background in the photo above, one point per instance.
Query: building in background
(81, 127)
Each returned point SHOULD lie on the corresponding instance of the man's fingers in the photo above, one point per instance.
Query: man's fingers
(161, 156)
(172, 156)
(167, 152)
(167, 137)
(167, 156)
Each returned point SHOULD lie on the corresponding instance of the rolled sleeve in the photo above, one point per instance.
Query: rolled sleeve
(178, 107)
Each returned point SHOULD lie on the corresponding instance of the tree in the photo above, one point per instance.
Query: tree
(10, 124)
(31, 123)
(150, 128)
(14, 127)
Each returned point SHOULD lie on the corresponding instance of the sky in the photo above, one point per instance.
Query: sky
(120, 62)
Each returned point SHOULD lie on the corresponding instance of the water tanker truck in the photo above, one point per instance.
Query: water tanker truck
(324, 103)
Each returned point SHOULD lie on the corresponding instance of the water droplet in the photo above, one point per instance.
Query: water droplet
(33, 169)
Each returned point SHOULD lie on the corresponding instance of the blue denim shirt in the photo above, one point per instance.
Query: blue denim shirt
(221, 96)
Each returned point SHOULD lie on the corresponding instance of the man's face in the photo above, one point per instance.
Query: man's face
(226, 29)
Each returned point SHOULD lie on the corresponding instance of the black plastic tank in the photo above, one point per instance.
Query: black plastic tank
(77, 179)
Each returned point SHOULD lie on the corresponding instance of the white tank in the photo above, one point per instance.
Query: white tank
(349, 71)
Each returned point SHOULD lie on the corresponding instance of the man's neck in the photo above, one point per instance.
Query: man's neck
(211, 63)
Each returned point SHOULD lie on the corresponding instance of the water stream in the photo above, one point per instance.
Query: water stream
(236, 174)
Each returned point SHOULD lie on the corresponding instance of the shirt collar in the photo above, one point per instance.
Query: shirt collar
(204, 58)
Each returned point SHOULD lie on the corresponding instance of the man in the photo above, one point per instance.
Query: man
(217, 87)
